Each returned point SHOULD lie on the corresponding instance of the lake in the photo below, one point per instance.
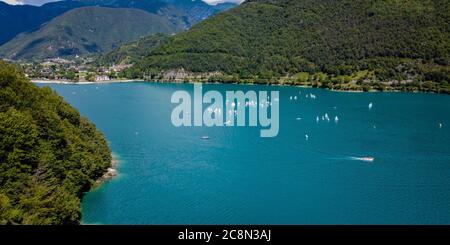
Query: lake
(170, 175)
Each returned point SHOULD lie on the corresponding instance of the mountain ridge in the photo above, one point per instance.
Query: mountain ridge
(16, 19)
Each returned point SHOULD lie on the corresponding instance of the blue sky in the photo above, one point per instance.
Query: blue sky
(40, 2)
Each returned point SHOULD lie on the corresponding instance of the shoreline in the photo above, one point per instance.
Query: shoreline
(293, 85)
(66, 82)
(41, 81)
(55, 81)
(110, 173)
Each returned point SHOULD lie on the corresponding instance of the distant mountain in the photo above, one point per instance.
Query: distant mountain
(86, 30)
(133, 51)
(403, 40)
(152, 6)
(224, 6)
(178, 16)
(15, 19)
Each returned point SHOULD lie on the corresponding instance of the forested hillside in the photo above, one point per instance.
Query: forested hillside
(130, 53)
(49, 155)
(321, 42)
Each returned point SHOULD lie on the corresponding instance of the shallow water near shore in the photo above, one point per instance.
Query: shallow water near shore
(169, 175)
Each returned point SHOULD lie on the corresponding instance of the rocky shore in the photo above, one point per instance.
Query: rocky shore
(110, 173)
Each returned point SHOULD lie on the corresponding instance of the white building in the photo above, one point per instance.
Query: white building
(102, 78)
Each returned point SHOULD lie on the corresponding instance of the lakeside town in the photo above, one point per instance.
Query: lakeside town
(78, 69)
(85, 69)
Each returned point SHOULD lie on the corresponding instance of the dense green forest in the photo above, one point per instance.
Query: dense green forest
(130, 53)
(49, 155)
(326, 43)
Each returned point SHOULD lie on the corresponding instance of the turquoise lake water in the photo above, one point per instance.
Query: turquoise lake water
(169, 175)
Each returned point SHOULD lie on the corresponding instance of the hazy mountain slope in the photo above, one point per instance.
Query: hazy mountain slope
(199, 10)
(86, 30)
(401, 39)
(152, 6)
(224, 6)
(15, 19)
(177, 16)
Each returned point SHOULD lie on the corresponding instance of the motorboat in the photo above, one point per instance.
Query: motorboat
(367, 159)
